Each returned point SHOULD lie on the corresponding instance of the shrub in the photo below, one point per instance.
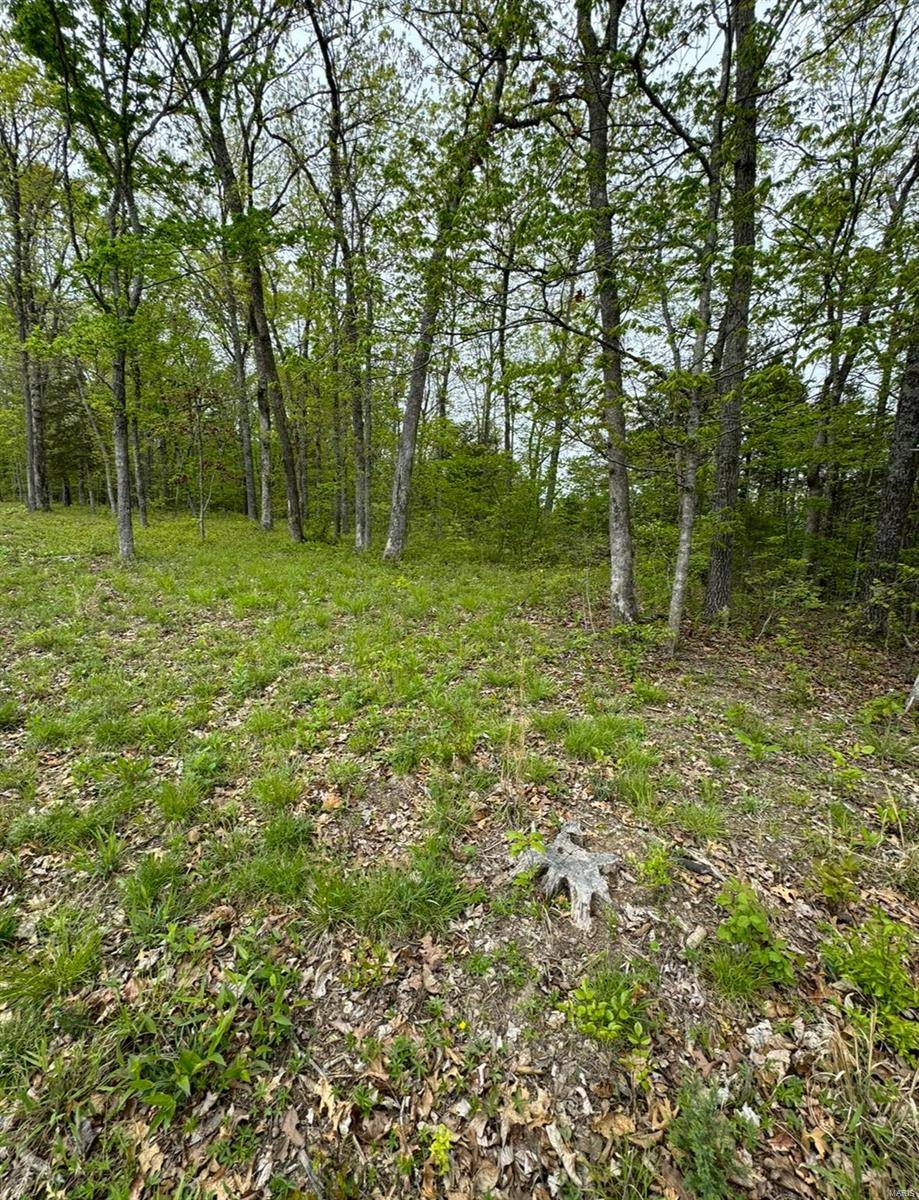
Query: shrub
(704, 1140)
(873, 958)
(752, 948)
(836, 879)
(609, 1006)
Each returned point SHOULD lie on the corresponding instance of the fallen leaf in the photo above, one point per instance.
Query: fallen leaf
(289, 1128)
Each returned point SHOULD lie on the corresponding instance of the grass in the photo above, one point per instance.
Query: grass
(69, 956)
(592, 738)
(400, 900)
(255, 802)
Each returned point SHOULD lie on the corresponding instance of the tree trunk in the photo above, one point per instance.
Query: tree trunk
(737, 310)
(122, 461)
(470, 157)
(598, 94)
(242, 397)
(502, 347)
(350, 330)
(31, 503)
(555, 449)
(405, 456)
(897, 492)
(267, 369)
(688, 463)
(140, 485)
(39, 460)
(264, 441)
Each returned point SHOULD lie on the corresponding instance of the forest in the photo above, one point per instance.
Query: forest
(459, 584)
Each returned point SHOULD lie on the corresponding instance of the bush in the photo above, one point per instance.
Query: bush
(873, 958)
(753, 951)
(609, 1006)
(704, 1140)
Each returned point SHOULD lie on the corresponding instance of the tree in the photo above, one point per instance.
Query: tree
(114, 94)
(30, 138)
(898, 487)
(597, 68)
(733, 334)
(227, 56)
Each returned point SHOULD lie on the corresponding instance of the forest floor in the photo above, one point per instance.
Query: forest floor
(260, 933)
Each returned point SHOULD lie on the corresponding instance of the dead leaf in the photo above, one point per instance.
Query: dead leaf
(486, 1178)
(150, 1158)
(567, 1159)
(290, 1130)
(614, 1125)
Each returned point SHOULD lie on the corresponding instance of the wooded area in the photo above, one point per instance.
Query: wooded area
(458, 600)
(547, 278)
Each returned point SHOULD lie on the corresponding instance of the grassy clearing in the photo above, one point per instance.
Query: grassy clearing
(256, 803)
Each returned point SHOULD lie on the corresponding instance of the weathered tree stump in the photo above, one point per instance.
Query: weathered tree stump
(563, 863)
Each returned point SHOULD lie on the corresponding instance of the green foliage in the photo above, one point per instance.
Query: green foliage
(873, 958)
(704, 1141)
(9, 926)
(154, 896)
(276, 790)
(519, 841)
(609, 1006)
(165, 1072)
(67, 957)
(836, 879)
(655, 870)
(752, 733)
(754, 955)
(702, 820)
(425, 895)
(593, 738)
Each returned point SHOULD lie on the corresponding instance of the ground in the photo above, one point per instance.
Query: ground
(261, 932)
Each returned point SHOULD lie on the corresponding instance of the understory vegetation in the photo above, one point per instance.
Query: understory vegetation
(260, 931)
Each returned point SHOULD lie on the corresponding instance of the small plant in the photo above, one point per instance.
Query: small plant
(704, 1141)
(655, 870)
(9, 926)
(68, 958)
(178, 800)
(704, 821)
(154, 896)
(105, 857)
(519, 841)
(277, 791)
(881, 710)
(756, 749)
(348, 776)
(907, 876)
(836, 880)
(873, 958)
(207, 764)
(439, 1147)
(753, 949)
(11, 715)
(369, 967)
(593, 738)
(609, 1006)
(649, 693)
(405, 1061)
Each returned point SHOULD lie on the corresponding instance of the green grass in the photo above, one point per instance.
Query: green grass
(245, 783)
(592, 738)
(68, 957)
(424, 895)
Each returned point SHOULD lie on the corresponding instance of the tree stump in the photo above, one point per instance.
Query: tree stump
(564, 863)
